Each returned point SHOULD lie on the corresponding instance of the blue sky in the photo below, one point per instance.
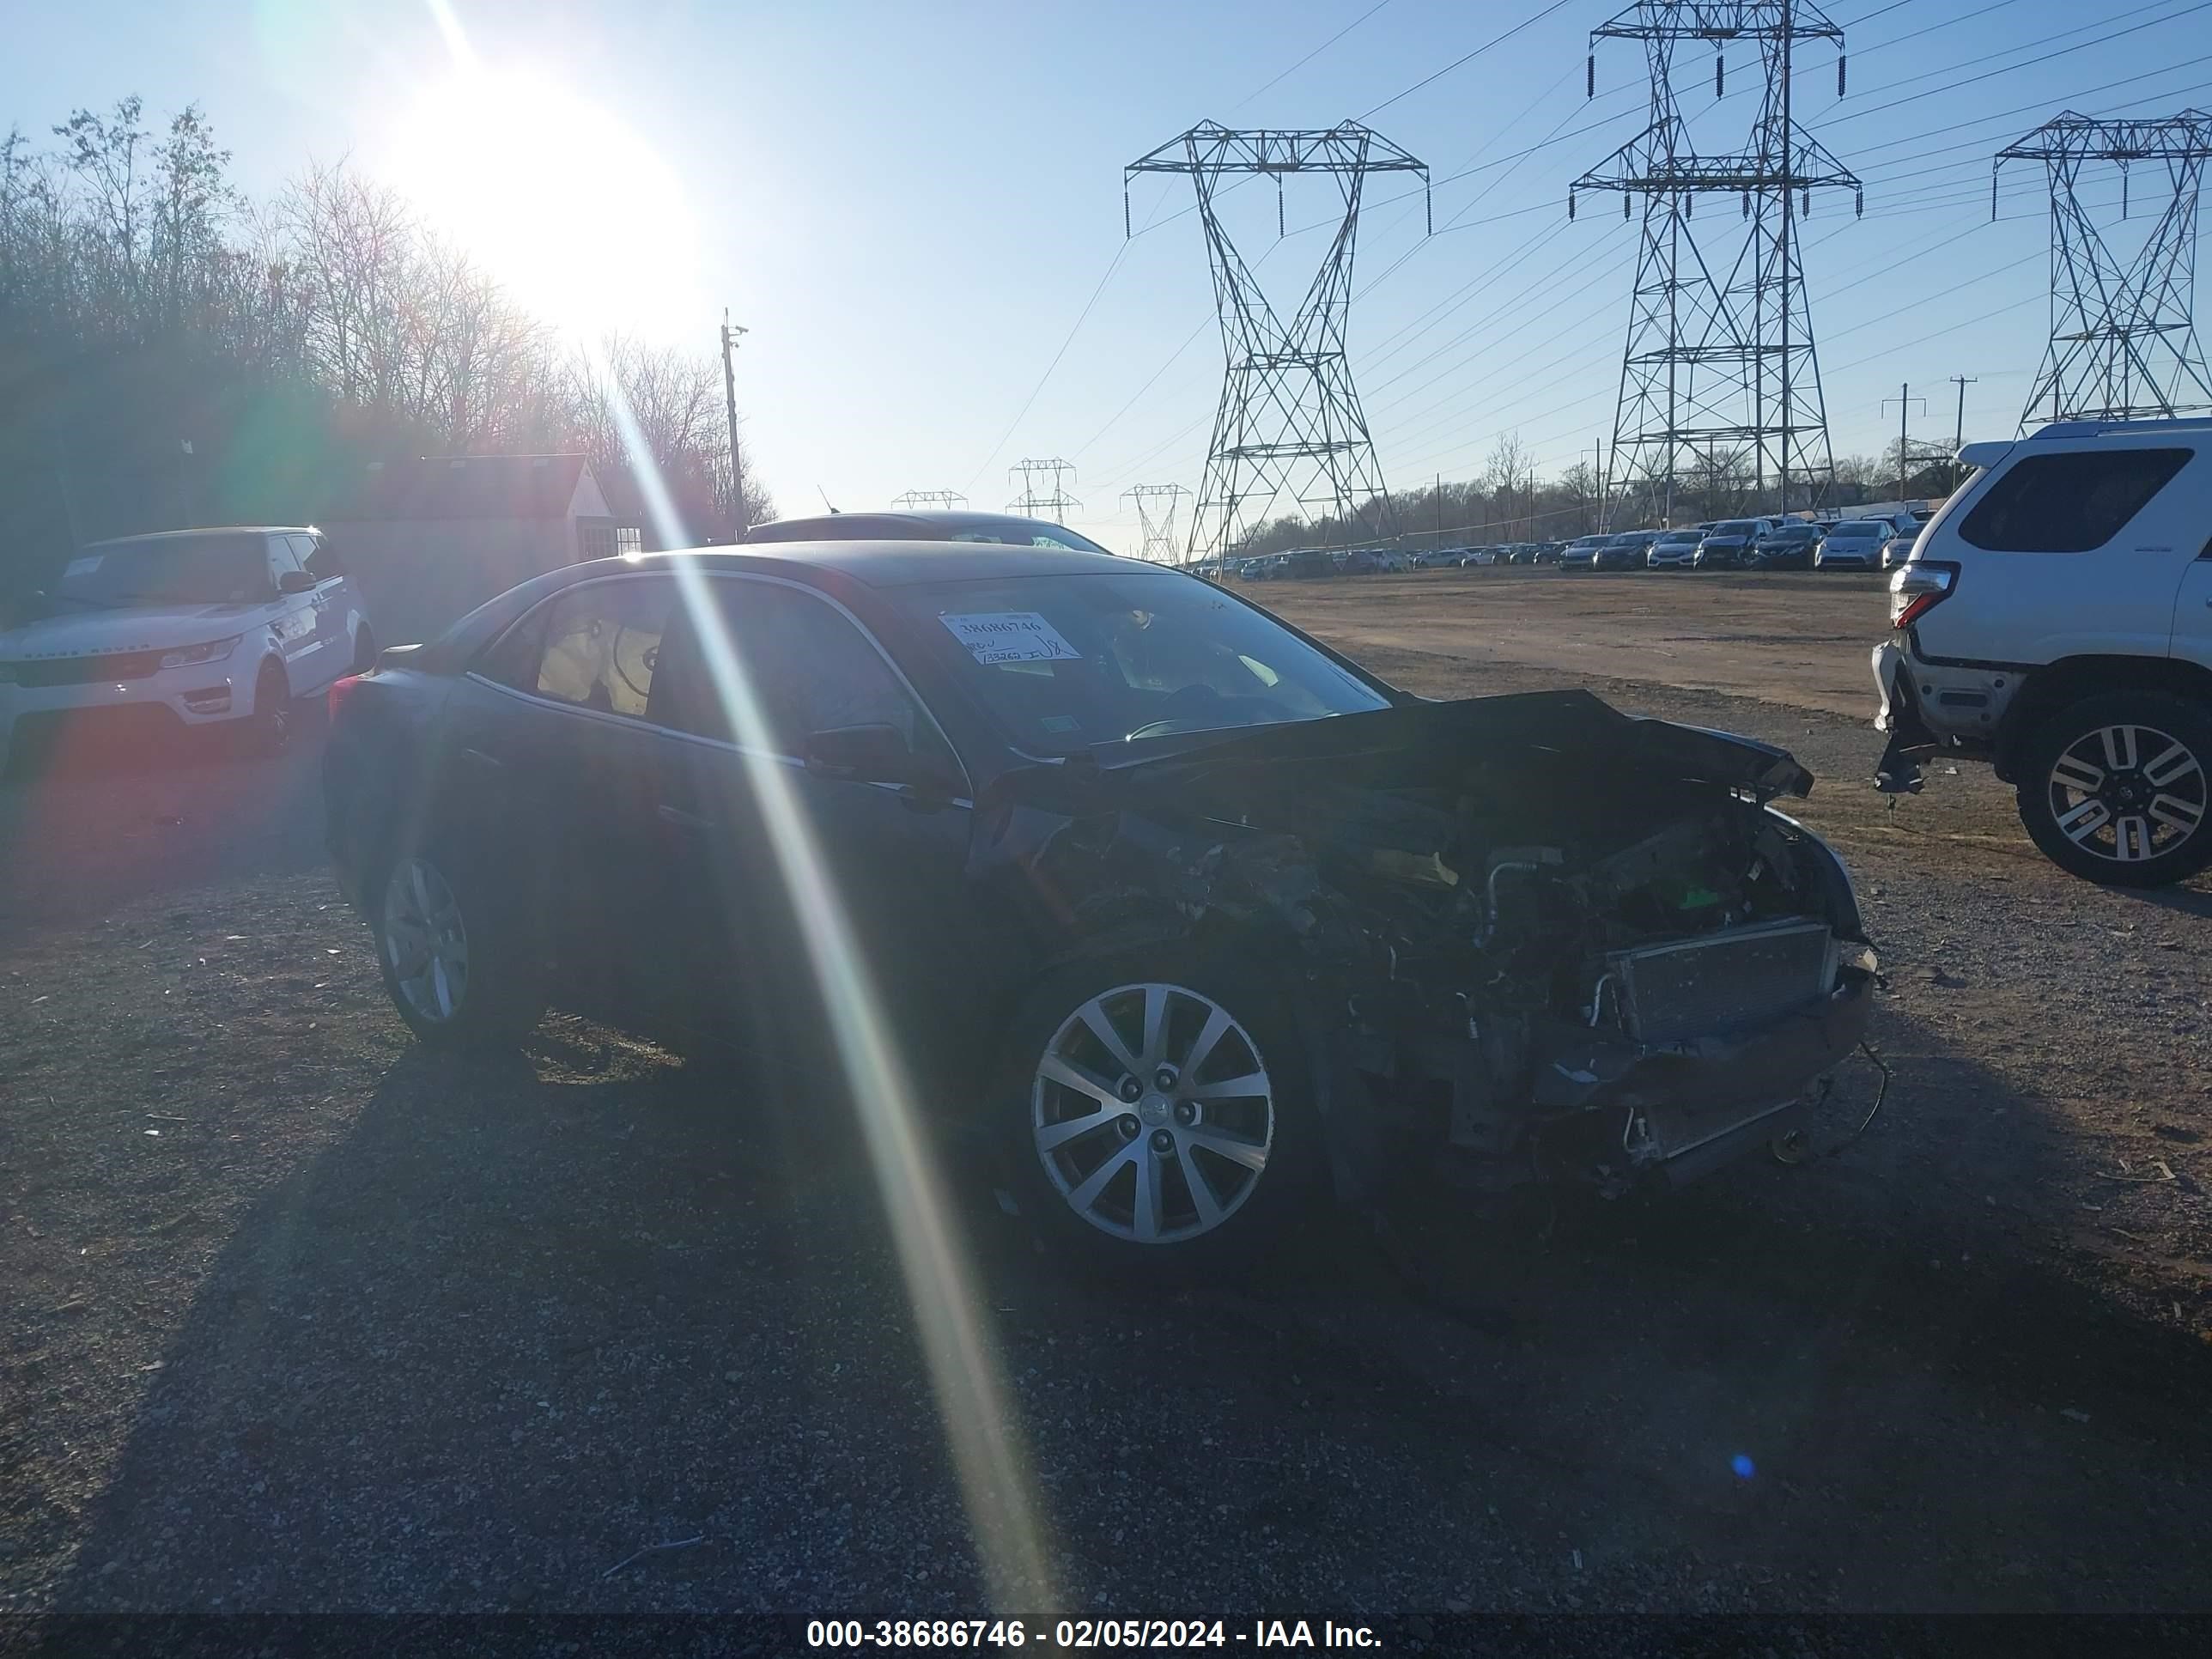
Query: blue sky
(910, 205)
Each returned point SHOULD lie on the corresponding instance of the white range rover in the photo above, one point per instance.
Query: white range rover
(2055, 618)
(183, 628)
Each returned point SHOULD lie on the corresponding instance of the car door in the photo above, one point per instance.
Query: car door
(817, 898)
(292, 621)
(550, 756)
(333, 637)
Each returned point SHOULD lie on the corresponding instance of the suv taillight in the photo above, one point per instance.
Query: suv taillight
(1918, 588)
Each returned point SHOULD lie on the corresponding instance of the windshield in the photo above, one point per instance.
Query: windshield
(1735, 527)
(227, 569)
(1679, 538)
(1858, 530)
(1067, 661)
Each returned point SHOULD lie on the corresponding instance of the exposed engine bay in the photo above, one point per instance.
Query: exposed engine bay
(1554, 940)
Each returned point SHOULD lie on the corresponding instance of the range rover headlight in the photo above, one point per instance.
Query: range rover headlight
(190, 655)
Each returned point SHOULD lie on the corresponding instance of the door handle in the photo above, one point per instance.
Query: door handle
(681, 819)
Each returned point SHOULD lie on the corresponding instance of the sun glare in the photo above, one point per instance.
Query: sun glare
(554, 197)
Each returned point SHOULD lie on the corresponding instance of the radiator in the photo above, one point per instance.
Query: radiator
(1739, 977)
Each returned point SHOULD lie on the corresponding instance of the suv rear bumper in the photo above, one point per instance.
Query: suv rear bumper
(1957, 708)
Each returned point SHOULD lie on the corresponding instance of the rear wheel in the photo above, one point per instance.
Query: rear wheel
(455, 961)
(1163, 1111)
(2113, 788)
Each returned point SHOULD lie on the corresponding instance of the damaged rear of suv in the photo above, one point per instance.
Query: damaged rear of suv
(1173, 914)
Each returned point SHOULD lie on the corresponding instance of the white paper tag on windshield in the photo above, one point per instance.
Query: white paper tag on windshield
(82, 567)
(1010, 636)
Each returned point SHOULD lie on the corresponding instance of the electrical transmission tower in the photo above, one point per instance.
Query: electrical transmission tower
(2122, 339)
(1289, 421)
(1053, 500)
(914, 498)
(1720, 377)
(1159, 532)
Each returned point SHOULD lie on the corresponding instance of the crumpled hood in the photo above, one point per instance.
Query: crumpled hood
(102, 633)
(1570, 723)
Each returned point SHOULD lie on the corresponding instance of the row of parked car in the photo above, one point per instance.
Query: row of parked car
(1875, 543)
(1869, 544)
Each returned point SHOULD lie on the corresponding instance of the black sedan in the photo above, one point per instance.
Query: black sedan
(1149, 899)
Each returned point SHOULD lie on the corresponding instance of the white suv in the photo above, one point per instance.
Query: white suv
(2055, 618)
(186, 627)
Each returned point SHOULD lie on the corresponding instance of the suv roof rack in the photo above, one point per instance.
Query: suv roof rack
(2098, 429)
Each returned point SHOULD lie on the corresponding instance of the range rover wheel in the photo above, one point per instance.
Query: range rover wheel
(270, 730)
(455, 964)
(2113, 788)
(1164, 1115)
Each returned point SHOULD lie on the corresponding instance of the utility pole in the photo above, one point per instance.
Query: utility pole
(730, 332)
(1959, 433)
(1904, 400)
(1440, 509)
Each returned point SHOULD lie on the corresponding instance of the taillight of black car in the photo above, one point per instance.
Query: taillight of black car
(341, 688)
(1918, 588)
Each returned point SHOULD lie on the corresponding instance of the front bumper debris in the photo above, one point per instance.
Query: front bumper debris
(1689, 1106)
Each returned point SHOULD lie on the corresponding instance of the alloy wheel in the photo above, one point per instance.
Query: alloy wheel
(2126, 792)
(425, 941)
(1153, 1114)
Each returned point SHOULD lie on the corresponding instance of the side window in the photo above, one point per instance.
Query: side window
(2069, 503)
(809, 668)
(512, 658)
(316, 558)
(602, 642)
(281, 558)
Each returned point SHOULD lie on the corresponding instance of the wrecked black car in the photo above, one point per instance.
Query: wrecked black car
(1183, 916)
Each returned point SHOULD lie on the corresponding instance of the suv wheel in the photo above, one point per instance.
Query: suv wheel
(270, 732)
(2113, 788)
(1163, 1112)
(456, 966)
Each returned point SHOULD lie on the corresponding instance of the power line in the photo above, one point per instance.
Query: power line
(1465, 58)
(1314, 53)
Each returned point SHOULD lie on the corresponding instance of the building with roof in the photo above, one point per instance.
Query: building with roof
(426, 541)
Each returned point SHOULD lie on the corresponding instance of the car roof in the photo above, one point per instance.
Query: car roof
(920, 524)
(206, 530)
(888, 563)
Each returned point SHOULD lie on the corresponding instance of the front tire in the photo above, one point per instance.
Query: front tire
(2113, 788)
(456, 961)
(269, 732)
(364, 650)
(1160, 1109)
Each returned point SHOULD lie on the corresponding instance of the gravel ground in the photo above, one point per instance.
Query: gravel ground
(302, 1318)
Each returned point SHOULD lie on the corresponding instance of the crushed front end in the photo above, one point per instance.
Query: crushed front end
(1534, 939)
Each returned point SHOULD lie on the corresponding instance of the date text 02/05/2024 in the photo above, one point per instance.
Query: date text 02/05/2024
(1080, 1633)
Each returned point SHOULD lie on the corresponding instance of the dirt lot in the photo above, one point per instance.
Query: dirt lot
(301, 1318)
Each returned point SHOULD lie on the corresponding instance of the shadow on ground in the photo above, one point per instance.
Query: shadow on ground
(527, 1319)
